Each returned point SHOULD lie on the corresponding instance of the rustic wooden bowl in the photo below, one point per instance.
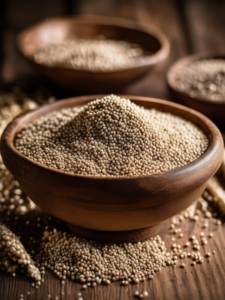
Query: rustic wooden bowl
(215, 110)
(113, 208)
(58, 29)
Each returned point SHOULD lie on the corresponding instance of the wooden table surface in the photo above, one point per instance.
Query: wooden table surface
(191, 26)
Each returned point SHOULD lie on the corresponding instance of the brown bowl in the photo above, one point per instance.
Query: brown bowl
(133, 205)
(58, 29)
(215, 110)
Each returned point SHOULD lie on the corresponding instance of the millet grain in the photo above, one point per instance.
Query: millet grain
(112, 137)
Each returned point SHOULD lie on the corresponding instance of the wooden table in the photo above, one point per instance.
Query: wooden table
(191, 26)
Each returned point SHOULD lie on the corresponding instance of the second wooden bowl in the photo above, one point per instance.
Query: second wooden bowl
(215, 110)
(56, 30)
(113, 204)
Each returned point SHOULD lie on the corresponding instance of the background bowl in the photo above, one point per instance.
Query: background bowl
(56, 30)
(113, 203)
(215, 110)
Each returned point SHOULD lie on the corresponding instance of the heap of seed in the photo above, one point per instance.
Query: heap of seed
(112, 137)
(94, 263)
(13, 255)
(92, 55)
(203, 78)
(12, 199)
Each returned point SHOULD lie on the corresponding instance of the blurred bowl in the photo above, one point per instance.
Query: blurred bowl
(56, 30)
(113, 208)
(215, 110)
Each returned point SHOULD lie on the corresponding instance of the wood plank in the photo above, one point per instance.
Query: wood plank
(206, 25)
(159, 14)
(203, 281)
(122, 9)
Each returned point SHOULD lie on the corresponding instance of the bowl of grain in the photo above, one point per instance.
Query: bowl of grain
(112, 167)
(198, 81)
(92, 53)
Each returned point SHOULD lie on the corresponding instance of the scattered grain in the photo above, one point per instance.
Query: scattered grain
(145, 294)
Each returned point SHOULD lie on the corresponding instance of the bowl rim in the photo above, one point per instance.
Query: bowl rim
(186, 60)
(150, 60)
(214, 135)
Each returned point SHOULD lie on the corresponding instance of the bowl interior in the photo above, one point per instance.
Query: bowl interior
(58, 29)
(171, 76)
(193, 116)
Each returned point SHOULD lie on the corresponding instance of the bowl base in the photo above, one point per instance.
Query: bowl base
(129, 236)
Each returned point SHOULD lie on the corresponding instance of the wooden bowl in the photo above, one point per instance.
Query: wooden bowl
(56, 30)
(215, 110)
(128, 208)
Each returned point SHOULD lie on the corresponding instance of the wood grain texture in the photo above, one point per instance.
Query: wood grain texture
(215, 110)
(129, 236)
(206, 24)
(165, 16)
(113, 203)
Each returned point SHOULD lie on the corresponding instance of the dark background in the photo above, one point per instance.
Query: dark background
(191, 26)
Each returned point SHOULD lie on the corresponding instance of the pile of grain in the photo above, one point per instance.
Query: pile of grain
(13, 255)
(203, 78)
(112, 137)
(94, 55)
(95, 263)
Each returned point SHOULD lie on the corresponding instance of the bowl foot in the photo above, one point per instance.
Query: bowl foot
(129, 236)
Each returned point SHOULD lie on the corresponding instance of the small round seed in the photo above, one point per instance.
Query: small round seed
(145, 294)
